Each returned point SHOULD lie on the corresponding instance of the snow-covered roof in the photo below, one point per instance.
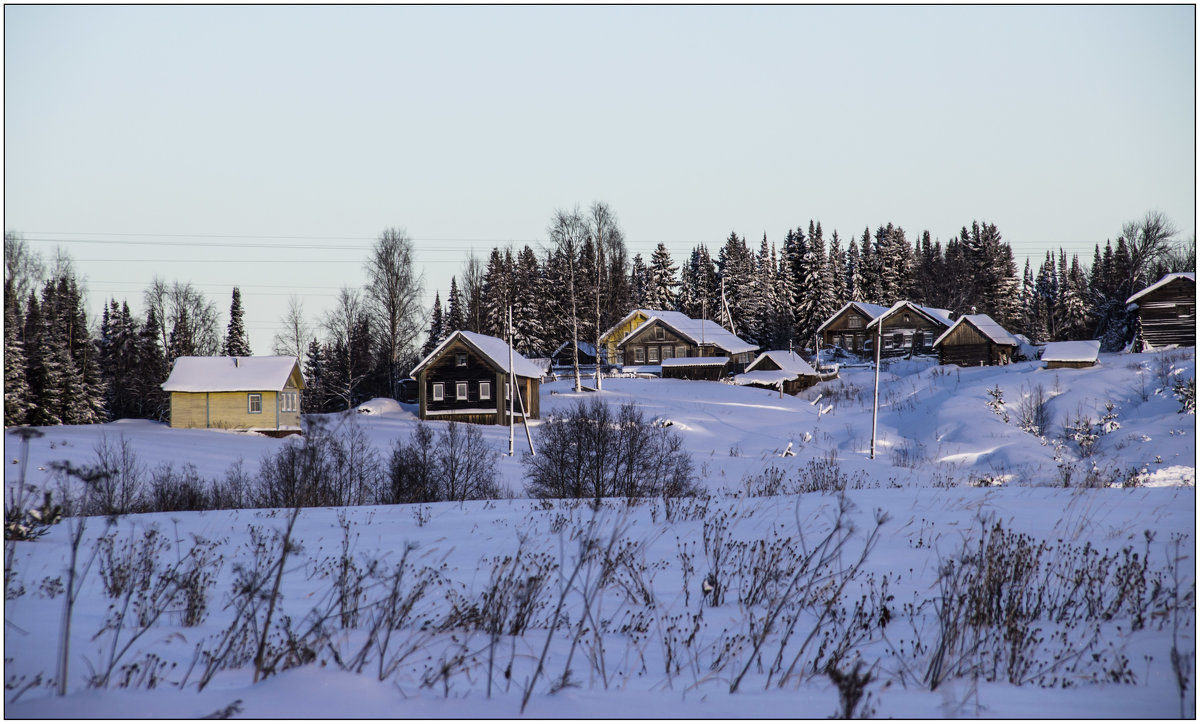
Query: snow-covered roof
(701, 332)
(231, 374)
(1190, 276)
(987, 326)
(870, 310)
(788, 362)
(492, 349)
(1087, 350)
(763, 377)
(644, 312)
(695, 361)
(584, 347)
(941, 316)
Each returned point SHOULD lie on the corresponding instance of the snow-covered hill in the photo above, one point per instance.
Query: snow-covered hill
(619, 615)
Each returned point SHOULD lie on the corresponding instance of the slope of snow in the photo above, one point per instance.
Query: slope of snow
(947, 464)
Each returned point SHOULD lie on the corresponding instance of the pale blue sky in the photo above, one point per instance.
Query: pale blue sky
(469, 126)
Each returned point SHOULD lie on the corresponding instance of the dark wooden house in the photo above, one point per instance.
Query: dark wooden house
(907, 329)
(1166, 312)
(1075, 354)
(847, 328)
(466, 377)
(975, 340)
(778, 367)
(669, 335)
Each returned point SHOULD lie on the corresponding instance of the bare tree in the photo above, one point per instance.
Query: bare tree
(608, 240)
(343, 324)
(472, 290)
(296, 332)
(23, 267)
(1149, 239)
(393, 301)
(172, 301)
(567, 231)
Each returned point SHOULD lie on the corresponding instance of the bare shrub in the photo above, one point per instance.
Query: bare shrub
(590, 452)
(412, 475)
(1033, 410)
(325, 468)
(170, 491)
(121, 491)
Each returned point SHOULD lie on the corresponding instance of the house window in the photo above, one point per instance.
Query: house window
(907, 340)
(460, 390)
(287, 401)
(906, 319)
(639, 355)
(439, 391)
(854, 322)
(897, 339)
(653, 355)
(929, 339)
(460, 360)
(660, 333)
(485, 390)
(680, 351)
(254, 403)
(668, 352)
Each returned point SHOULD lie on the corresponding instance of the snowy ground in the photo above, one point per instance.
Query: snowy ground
(948, 468)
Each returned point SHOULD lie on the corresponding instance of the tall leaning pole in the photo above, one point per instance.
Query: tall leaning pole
(875, 405)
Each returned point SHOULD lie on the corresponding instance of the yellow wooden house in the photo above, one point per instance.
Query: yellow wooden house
(236, 393)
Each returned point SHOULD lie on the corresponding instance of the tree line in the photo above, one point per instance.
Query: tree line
(59, 369)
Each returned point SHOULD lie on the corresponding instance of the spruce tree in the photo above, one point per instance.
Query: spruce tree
(436, 326)
(660, 293)
(454, 313)
(16, 388)
(639, 283)
(528, 285)
(181, 343)
(236, 343)
(152, 370)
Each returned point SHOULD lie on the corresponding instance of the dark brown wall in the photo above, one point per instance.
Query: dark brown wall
(1168, 315)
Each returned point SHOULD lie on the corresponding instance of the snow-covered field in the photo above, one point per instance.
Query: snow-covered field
(1047, 614)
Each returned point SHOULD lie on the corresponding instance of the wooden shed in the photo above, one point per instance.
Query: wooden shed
(907, 329)
(778, 367)
(1077, 354)
(465, 379)
(976, 340)
(695, 368)
(1166, 312)
(564, 355)
(236, 393)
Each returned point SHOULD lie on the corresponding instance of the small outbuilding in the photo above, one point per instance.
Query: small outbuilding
(1166, 312)
(564, 357)
(465, 379)
(1077, 354)
(236, 393)
(976, 340)
(778, 367)
(695, 368)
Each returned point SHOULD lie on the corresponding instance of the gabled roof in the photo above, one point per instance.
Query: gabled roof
(1190, 276)
(938, 316)
(585, 347)
(1087, 350)
(870, 311)
(700, 332)
(232, 374)
(788, 362)
(769, 378)
(986, 326)
(644, 312)
(492, 349)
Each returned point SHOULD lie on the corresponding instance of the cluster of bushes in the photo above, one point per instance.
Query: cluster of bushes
(593, 451)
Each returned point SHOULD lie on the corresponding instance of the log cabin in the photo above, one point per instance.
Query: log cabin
(847, 328)
(778, 367)
(668, 335)
(260, 394)
(907, 329)
(975, 340)
(1076, 354)
(1166, 312)
(465, 379)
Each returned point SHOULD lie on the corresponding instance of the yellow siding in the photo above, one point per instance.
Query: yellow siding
(610, 342)
(188, 409)
(230, 410)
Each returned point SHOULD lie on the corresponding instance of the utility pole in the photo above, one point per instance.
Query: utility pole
(512, 386)
(875, 405)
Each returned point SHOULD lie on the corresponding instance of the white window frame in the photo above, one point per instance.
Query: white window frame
(639, 355)
(460, 391)
(251, 399)
(653, 355)
(854, 322)
(439, 392)
(929, 339)
(668, 351)
(680, 350)
(485, 391)
(460, 359)
(660, 333)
